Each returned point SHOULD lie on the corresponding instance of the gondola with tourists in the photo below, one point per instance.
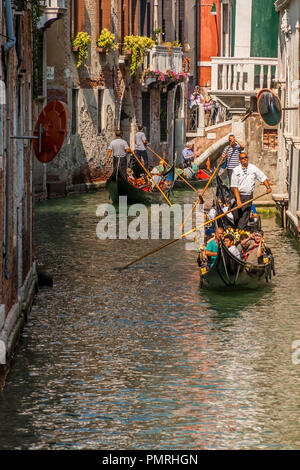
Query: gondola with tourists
(230, 272)
(119, 185)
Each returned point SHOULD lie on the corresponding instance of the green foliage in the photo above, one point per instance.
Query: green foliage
(107, 40)
(138, 45)
(155, 34)
(37, 50)
(82, 41)
(170, 45)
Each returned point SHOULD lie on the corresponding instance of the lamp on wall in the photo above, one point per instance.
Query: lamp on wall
(213, 10)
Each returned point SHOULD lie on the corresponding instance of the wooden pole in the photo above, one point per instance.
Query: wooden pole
(152, 179)
(190, 231)
(178, 174)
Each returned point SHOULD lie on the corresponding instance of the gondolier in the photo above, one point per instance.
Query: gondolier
(233, 151)
(242, 182)
(140, 149)
(119, 149)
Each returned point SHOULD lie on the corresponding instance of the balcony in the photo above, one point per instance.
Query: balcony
(235, 80)
(53, 10)
(163, 59)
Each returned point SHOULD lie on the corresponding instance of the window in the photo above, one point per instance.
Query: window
(75, 92)
(270, 139)
(99, 110)
(163, 117)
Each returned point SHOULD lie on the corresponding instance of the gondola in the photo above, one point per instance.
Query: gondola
(224, 193)
(228, 272)
(118, 185)
(198, 182)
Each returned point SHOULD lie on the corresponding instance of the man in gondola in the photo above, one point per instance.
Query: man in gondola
(212, 248)
(119, 149)
(233, 151)
(242, 182)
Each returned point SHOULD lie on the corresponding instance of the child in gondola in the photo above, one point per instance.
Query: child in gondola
(229, 242)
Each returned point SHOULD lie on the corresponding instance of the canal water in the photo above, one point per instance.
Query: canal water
(145, 359)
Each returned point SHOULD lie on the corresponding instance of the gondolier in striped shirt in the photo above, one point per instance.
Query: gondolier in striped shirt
(242, 182)
(119, 149)
(233, 155)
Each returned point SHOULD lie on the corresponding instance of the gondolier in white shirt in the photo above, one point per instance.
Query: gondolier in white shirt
(119, 149)
(233, 151)
(243, 182)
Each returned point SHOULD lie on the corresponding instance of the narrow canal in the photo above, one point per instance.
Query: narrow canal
(144, 359)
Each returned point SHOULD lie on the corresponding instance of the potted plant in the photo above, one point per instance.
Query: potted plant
(137, 46)
(81, 44)
(106, 41)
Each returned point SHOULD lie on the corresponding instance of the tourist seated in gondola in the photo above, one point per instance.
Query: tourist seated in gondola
(156, 177)
(255, 252)
(229, 242)
(130, 176)
(211, 249)
(244, 244)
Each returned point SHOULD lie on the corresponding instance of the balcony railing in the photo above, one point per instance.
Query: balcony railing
(234, 74)
(53, 9)
(163, 59)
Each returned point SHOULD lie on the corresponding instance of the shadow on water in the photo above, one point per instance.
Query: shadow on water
(231, 303)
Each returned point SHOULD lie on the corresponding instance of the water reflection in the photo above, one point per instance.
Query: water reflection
(144, 359)
(232, 302)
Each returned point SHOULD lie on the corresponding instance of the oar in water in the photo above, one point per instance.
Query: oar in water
(152, 179)
(178, 174)
(190, 231)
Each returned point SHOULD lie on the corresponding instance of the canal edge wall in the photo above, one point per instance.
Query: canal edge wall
(12, 324)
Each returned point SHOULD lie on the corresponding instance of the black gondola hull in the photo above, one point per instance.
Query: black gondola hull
(117, 185)
(230, 272)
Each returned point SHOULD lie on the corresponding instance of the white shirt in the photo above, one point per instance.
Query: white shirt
(233, 249)
(245, 181)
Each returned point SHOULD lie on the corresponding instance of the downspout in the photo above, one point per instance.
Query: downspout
(7, 48)
(197, 41)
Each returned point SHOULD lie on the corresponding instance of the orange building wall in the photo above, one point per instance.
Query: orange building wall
(209, 39)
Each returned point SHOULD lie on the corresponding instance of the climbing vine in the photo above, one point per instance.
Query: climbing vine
(107, 41)
(82, 41)
(138, 46)
(37, 46)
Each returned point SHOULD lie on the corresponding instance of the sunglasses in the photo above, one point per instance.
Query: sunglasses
(243, 158)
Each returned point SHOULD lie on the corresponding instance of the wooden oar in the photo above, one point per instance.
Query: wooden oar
(190, 231)
(200, 198)
(152, 179)
(178, 174)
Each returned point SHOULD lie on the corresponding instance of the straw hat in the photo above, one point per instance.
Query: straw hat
(155, 171)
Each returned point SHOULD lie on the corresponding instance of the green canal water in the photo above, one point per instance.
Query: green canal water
(145, 359)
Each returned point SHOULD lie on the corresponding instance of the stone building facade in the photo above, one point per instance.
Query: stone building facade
(288, 162)
(103, 96)
(17, 274)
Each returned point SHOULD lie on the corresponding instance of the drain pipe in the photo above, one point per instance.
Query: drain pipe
(7, 48)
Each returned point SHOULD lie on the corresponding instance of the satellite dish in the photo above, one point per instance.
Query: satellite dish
(50, 130)
(269, 107)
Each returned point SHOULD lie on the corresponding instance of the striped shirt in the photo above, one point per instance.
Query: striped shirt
(233, 156)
